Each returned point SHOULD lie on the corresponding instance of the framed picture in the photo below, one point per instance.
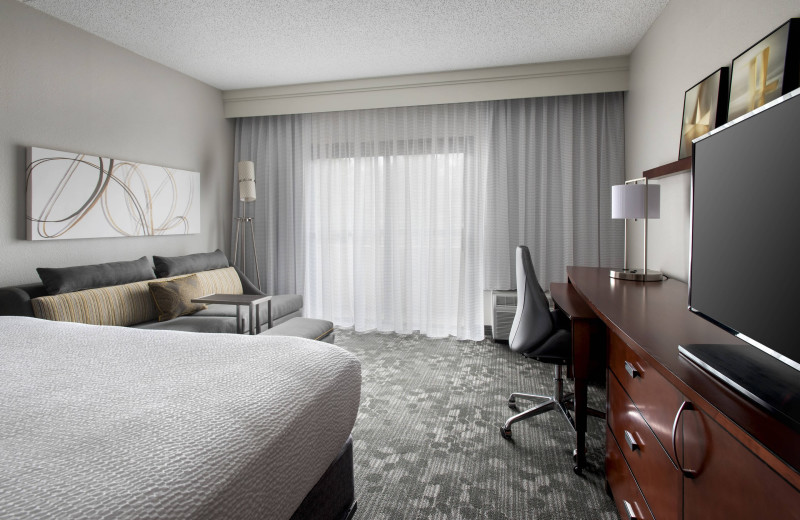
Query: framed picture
(705, 107)
(76, 195)
(765, 71)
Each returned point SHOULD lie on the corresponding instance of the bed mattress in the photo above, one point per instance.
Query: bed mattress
(113, 422)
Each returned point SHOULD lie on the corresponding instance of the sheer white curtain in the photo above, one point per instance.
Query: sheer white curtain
(399, 219)
(394, 210)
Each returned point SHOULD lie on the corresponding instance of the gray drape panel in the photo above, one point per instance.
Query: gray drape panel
(544, 180)
(553, 162)
(274, 144)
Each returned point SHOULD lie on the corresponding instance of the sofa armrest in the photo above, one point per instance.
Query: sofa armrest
(16, 301)
(247, 285)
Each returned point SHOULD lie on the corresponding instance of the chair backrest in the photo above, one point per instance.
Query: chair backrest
(533, 322)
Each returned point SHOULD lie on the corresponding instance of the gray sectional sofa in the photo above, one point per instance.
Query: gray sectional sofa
(125, 278)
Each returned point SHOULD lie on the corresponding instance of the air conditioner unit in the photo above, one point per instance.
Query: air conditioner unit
(504, 306)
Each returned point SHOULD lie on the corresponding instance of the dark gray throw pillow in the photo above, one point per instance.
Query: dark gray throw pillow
(188, 264)
(58, 280)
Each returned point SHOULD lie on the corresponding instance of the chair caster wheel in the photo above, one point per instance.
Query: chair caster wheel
(577, 470)
(575, 455)
(512, 403)
(505, 433)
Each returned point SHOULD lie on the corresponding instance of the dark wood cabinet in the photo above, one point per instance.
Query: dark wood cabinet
(650, 465)
(656, 399)
(681, 444)
(729, 481)
(630, 502)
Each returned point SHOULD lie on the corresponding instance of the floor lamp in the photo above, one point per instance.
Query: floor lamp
(247, 193)
(634, 200)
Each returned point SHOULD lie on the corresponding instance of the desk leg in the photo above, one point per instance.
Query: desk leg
(581, 341)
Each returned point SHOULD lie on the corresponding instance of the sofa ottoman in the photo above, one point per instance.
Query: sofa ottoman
(311, 328)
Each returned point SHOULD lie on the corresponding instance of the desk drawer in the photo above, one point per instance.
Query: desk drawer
(629, 501)
(657, 400)
(659, 480)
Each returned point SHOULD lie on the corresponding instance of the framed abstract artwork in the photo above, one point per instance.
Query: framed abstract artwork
(705, 107)
(75, 195)
(765, 71)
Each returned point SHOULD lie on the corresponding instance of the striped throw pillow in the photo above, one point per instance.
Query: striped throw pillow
(126, 304)
(220, 281)
(122, 305)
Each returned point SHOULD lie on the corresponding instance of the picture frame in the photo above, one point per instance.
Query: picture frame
(765, 71)
(77, 195)
(705, 107)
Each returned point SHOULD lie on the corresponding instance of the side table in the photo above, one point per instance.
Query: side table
(253, 302)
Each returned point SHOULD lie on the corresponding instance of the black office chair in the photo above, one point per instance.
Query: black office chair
(535, 334)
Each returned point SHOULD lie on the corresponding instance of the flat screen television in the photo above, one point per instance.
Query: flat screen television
(745, 253)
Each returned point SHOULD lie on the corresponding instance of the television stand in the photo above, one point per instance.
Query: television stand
(681, 444)
(769, 382)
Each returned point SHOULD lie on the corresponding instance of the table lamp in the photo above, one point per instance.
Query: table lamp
(635, 200)
(247, 193)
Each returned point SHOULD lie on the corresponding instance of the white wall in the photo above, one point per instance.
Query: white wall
(690, 40)
(65, 89)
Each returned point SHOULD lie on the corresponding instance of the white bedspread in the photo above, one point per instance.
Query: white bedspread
(112, 422)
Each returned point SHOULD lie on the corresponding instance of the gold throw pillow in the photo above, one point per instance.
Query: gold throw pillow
(173, 297)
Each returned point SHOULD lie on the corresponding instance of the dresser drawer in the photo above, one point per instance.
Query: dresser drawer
(627, 497)
(659, 480)
(657, 400)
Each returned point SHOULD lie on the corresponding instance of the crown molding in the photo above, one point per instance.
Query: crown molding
(519, 81)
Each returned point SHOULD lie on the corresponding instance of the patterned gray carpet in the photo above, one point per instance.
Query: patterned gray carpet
(427, 441)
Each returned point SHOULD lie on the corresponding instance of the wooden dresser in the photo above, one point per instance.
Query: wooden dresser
(679, 443)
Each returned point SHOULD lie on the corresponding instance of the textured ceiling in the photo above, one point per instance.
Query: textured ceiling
(233, 44)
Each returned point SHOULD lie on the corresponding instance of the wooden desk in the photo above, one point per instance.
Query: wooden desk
(679, 443)
(583, 321)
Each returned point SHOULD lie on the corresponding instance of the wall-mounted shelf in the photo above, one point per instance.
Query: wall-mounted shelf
(681, 165)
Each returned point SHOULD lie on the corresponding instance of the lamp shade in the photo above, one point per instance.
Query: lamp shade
(247, 181)
(628, 201)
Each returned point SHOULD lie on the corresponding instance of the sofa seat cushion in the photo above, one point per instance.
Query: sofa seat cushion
(193, 323)
(282, 305)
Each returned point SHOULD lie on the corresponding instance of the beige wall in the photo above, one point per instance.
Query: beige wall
(65, 89)
(690, 40)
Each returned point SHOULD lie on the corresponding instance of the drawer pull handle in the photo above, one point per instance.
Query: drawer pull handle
(631, 442)
(631, 370)
(629, 510)
(688, 473)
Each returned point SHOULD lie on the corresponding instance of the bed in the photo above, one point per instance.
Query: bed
(114, 422)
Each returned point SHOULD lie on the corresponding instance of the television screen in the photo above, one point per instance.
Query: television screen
(746, 228)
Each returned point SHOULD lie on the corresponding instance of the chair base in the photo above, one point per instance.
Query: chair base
(558, 401)
(549, 404)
